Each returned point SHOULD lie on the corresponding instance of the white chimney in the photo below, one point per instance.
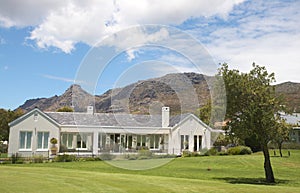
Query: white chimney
(165, 116)
(90, 110)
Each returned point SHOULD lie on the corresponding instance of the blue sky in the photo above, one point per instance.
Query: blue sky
(45, 45)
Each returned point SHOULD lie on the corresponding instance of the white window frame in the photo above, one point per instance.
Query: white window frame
(25, 141)
(43, 148)
(69, 141)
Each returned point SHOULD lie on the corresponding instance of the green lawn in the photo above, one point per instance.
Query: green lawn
(3, 155)
(226, 174)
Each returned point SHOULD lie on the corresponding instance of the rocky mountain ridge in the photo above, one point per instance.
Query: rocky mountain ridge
(180, 91)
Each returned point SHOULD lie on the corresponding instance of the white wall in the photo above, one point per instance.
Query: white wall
(29, 124)
(189, 127)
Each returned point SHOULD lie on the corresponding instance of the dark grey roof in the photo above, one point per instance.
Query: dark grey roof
(293, 119)
(106, 119)
(178, 118)
(110, 119)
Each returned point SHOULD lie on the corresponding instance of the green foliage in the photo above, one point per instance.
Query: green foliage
(53, 140)
(282, 134)
(145, 153)
(16, 159)
(210, 114)
(37, 159)
(253, 143)
(65, 109)
(239, 150)
(211, 151)
(186, 153)
(7, 116)
(107, 156)
(65, 158)
(252, 106)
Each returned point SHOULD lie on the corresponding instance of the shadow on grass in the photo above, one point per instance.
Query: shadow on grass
(255, 181)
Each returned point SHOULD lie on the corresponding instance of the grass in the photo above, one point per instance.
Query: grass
(225, 174)
(3, 155)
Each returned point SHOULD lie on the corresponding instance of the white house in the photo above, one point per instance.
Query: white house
(94, 133)
(293, 119)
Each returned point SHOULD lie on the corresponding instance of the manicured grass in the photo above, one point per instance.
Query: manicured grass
(3, 155)
(225, 174)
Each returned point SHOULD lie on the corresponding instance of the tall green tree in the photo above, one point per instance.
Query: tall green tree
(251, 107)
(7, 116)
(282, 134)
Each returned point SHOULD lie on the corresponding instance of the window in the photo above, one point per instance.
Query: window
(184, 141)
(101, 140)
(25, 139)
(43, 140)
(81, 142)
(84, 141)
(141, 140)
(154, 141)
(67, 140)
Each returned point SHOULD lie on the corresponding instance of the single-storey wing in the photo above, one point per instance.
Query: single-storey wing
(96, 133)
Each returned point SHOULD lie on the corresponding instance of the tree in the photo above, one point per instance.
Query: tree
(251, 107)
(7, 116)
(283, 130)
(65, 109)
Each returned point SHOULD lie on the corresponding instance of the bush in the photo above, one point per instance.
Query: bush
(65, 158)
(211, 151)
(106, 156)
(37, 159)
(221, 153)
(144, 153)
(239, 150)
(16, 159)
(291, 145)
(186, 153)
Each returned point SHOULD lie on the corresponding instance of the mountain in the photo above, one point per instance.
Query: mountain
(56, 102)
(181, 92)
(142, 97)
(291, 93)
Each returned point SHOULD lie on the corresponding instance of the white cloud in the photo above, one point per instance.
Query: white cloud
(266, 33)
(62, 24)
(26, 13)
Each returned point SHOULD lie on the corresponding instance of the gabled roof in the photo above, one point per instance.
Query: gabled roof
(106, 119)
(180, 119)
(34, 111)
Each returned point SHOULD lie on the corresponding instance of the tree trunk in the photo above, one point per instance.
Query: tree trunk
(280, 147)
(267, 165)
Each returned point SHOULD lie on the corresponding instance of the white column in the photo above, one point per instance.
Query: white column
(95, 142)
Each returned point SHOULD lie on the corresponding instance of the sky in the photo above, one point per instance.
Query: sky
(47, 45)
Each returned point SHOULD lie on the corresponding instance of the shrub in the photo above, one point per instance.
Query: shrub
(53, 140)
(211, 151)
(65, 158)
(144, 153)
(37, 159)
(239, 150)
(16, 159)
(186, 153)
(290, 145)
(106, 156)
(221, 153)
